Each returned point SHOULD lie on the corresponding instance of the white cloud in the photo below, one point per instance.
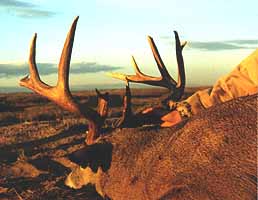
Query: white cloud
(24, 9)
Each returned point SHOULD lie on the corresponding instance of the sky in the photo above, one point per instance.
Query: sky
(219, 34)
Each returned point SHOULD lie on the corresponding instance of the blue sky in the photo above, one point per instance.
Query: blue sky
(219, 33)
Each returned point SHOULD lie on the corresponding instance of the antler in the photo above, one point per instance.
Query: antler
(60, 94)
(165, 80)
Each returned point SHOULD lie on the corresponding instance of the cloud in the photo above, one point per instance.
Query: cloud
(224, 45)
(247, 42)
(24, 9)
(15, 3)
(220, 45)
(30, 13)
(12, 70)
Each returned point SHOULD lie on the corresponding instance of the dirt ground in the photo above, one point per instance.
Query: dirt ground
(35, 136)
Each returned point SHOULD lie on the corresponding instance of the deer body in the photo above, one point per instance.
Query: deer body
(212, 156)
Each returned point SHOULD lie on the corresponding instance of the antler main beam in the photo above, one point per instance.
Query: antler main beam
(165, 80)
(60, 94)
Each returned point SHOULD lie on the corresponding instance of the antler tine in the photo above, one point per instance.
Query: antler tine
(136, 68)
(34, 74)
(163, 70)
(103, 100)
(32, 80)
(64, 63)
(180, 62)
(139, 77)
(178, 91)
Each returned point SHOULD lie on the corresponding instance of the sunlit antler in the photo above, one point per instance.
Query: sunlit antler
(60, 94)
(165, 80)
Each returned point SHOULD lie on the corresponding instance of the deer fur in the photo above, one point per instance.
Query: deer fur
(212, 156)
